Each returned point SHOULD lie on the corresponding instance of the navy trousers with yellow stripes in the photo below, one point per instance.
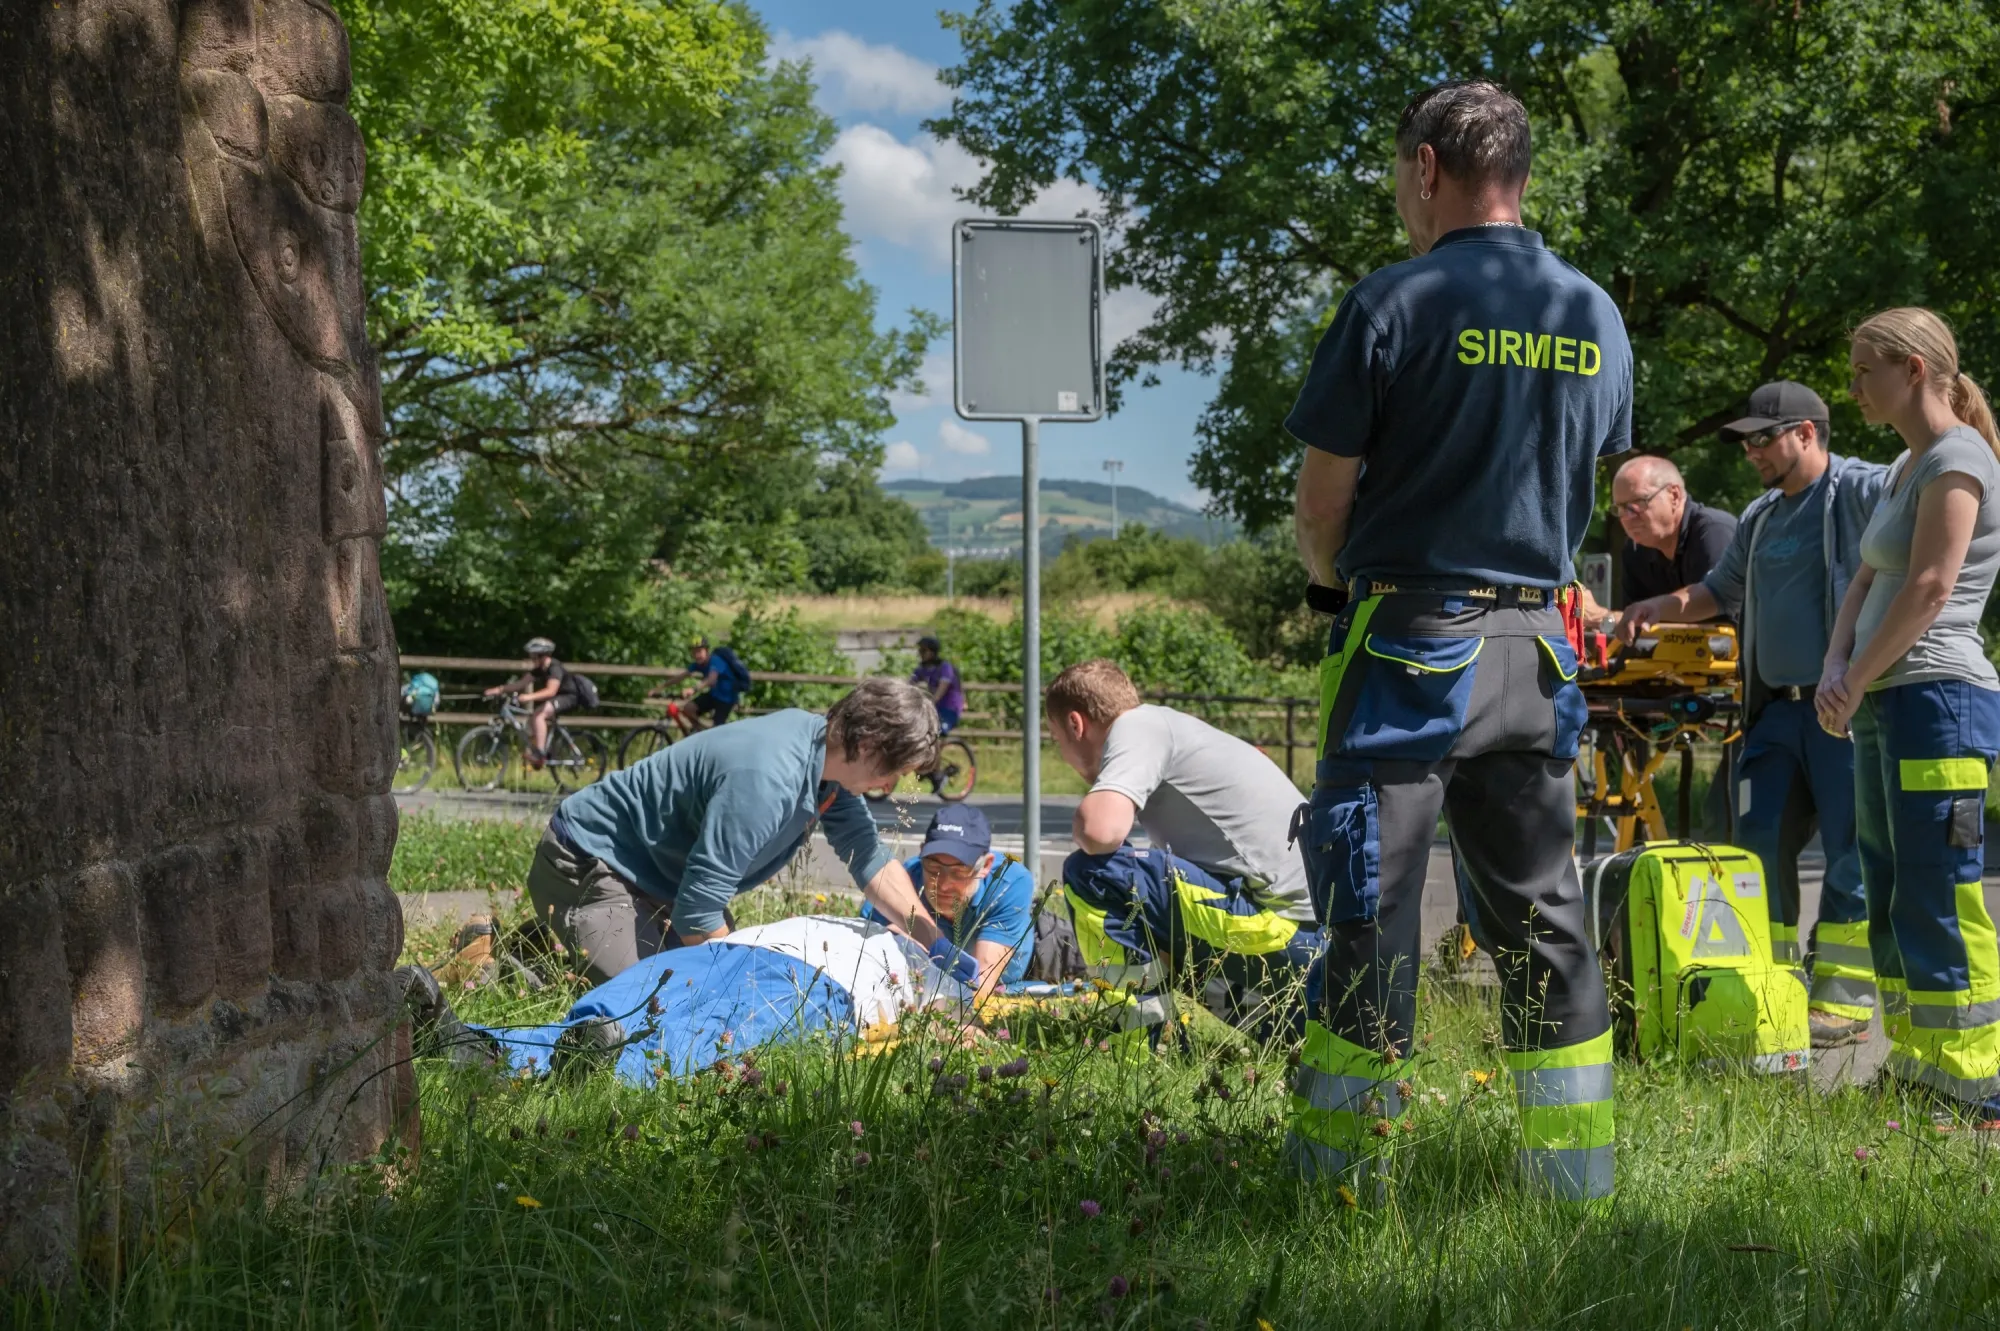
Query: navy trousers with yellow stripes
(1144, 918)
(1447, 705)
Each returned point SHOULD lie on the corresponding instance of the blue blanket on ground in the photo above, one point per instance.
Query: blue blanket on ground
(712, 999)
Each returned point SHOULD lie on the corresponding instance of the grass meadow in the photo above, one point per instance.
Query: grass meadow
(934, 1185)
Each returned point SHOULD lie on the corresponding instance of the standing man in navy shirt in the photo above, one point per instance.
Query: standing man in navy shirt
(1453, 416)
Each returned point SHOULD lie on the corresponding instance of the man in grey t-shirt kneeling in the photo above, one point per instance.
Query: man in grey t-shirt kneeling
(1220, 887)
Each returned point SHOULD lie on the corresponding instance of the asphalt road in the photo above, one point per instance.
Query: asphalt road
(903, 826)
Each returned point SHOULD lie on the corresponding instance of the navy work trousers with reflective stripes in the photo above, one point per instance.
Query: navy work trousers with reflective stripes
(1445, 705)
(1794, 776)
(1163, 914)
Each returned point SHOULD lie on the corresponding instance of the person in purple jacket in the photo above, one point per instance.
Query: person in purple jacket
(939, 678)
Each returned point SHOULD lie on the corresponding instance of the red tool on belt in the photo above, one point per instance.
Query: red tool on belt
(1593, 649)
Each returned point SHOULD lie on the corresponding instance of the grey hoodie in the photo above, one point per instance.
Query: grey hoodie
(1852, 489)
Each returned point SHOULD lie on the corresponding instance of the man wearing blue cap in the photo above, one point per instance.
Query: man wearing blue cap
(985, 904)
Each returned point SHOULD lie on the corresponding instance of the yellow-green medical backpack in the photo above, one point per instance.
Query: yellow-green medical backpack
(1685, 930)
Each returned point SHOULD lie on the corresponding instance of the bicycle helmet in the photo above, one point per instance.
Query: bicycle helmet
(541, 647)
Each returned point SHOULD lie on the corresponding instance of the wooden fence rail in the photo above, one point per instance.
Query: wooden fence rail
(1271, 708)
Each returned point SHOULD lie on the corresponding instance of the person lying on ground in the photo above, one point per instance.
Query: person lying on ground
(1221, 885)
(984, 902)
(649, 858)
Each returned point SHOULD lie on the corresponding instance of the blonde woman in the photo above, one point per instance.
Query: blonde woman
(1908, 672)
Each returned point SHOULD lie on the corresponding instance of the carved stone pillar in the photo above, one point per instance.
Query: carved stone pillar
(197, 675)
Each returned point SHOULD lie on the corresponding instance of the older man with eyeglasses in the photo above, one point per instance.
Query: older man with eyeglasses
(1783, 576)
(1671, 540)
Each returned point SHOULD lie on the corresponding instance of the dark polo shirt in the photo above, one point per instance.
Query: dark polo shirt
(1705, 534)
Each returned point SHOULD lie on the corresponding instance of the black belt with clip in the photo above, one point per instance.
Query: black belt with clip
(1332, 600)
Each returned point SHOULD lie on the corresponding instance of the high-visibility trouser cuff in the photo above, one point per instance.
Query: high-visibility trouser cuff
(1141, 1018)
(1145, 978)
(1784, 944)
(1840, 996)
(1568, 1125)
(1955, 1040)
(1894, 996)
(1571, 1175)
(1843, 976)
(1343, 1096)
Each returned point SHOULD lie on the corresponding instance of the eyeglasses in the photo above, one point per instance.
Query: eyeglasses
(1765, 438)
(1632, 508)
(942, 870)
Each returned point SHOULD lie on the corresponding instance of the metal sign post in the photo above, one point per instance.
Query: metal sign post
(1027, 305)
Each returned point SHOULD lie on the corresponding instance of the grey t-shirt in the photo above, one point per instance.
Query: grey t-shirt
(1951, 647)
(1787, 623)
(1209, 797)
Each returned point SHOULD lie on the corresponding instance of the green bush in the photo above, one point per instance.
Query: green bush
(1179, 650)
(767, 641)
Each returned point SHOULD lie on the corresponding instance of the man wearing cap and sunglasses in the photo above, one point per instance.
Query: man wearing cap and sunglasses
(984, 903)
(1783, 576)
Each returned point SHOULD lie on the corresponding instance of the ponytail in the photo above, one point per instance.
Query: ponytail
(1969, 404)
(1911, 331)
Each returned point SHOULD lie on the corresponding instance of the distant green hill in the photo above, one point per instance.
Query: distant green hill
(986, 512)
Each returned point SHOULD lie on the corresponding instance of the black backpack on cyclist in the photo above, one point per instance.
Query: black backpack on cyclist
(586, 692)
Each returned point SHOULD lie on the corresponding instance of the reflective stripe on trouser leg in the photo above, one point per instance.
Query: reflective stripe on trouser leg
(1937, 739)
(1843, 973)
(1567, 1136)
(1343, 1102)
(1784, 942)
(1225, 917)
(1950, 1039)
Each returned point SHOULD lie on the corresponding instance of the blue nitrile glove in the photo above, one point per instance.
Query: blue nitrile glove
(958, 965)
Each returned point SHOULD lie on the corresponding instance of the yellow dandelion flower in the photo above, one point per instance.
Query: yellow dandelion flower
(1480, 1077)
(1264, 1324)
(529, 1202)
(1346, 1195)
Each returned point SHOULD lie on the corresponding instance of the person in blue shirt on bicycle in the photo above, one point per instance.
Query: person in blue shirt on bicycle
(724, 679)
(984, 903)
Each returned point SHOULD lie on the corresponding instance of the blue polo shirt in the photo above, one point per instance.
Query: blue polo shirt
(1002, 910)
(1480, 383)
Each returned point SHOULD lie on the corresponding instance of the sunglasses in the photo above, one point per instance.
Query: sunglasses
(1765, 438)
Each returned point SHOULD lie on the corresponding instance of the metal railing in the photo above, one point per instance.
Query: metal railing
(1234, 712)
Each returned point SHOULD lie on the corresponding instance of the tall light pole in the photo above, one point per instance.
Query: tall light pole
(1112, 466)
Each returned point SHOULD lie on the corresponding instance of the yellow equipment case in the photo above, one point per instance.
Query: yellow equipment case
(1685, 930)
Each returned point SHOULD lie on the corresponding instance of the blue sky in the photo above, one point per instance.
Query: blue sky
(875, 62)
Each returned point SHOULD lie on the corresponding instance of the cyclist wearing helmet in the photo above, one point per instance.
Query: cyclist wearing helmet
(546, 687)
(723, 677)
(939, 678)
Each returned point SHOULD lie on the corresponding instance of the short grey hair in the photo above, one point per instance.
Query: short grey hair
(890, 720)
(1651, 467)
(1478, 130)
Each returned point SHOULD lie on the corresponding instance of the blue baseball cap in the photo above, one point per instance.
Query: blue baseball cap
(960, 831)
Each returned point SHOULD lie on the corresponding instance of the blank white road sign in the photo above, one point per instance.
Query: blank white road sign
(1026, 304)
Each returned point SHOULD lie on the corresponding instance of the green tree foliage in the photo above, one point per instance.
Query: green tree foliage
(1748, 178)
(767, 640)
(857, 536)
(622, 336)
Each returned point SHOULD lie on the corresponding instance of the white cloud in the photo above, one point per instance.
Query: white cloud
(901, 455)
(903, 192)
(855, 76)
(957, 439)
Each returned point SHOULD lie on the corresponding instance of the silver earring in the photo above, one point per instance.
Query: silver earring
(1425, 196)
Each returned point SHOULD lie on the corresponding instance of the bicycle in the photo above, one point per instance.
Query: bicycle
(575, 757)
(649, 739)
(954, 777)
(416, 754)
